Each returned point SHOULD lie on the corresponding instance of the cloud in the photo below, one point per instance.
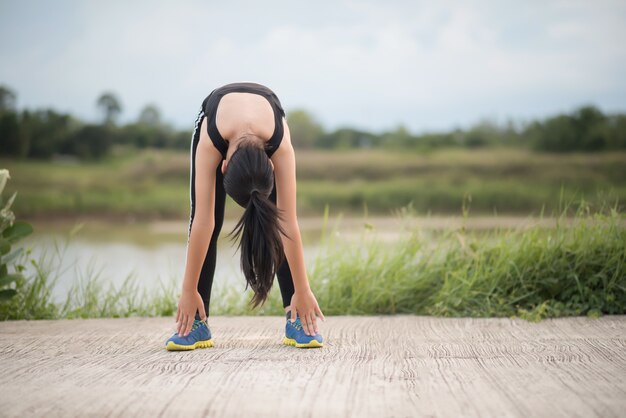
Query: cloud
(427, 65)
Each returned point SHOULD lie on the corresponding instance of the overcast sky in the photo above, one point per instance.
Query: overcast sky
(430, 65)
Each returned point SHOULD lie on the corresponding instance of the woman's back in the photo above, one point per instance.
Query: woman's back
(240, 114)
(244, 109)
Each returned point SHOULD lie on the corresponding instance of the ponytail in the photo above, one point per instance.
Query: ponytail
(259, 228)
(261, 246)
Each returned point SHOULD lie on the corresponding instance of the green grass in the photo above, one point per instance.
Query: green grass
(533, 273)
(152, 184)
(576, 268)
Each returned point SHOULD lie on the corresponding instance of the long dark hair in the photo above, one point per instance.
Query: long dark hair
(249, 180)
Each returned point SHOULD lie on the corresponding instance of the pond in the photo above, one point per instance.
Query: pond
(153, 253)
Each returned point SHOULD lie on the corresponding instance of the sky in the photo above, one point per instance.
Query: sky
(370, 64)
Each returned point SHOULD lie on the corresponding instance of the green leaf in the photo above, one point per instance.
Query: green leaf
(6, 294)
(18, 230)
(5, 246)
(11, 256)
(9, 278)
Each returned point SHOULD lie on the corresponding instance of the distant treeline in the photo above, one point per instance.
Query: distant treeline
(586, 129)
(45, 133)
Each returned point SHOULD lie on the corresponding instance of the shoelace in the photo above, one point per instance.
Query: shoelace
(296, 323)
(196, 324)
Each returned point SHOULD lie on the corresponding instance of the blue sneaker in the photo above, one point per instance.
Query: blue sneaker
(198, 337)
(295, 335)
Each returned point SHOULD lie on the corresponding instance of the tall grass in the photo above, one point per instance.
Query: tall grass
(578, 267)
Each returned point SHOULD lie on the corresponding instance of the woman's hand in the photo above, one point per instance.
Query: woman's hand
(189, 302)
(304, 304)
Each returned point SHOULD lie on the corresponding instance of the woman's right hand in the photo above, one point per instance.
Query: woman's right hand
(189, 302)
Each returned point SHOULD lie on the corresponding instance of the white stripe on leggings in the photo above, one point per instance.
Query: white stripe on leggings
(192, 169)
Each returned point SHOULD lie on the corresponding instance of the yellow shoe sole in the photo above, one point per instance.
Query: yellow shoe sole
(310, 344)
(172, 346)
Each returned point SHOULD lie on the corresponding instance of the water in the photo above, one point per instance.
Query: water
(112, 262)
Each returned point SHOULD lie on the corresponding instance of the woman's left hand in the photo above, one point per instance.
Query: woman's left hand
(304, 304)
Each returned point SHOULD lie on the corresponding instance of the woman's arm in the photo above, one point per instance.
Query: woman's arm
(207, 159)
(303, 301)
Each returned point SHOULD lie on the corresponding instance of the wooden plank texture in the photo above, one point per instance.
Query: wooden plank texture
(374, 366)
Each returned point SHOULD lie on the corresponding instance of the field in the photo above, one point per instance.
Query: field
(576, 266)
(154, 184)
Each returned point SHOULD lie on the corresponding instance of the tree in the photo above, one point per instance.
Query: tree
(7, 99)
(9, 123)
(10, 134)
(48, 132)
(150, 115)
(110, 107)
(344, 138)
(399, 138)
(304, 129)
(482, 134)
(584, 130)
(616, 125)
(90, 142)
(590, 124)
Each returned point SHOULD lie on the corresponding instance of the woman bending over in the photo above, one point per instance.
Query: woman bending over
(241, 147)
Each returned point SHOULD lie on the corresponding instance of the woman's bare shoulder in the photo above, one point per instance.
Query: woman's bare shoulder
(205, 146)
(285, 148)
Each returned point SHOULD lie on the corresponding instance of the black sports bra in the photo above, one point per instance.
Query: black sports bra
(209, 106)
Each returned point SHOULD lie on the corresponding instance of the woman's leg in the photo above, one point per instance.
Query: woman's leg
(205, 281)
(285, 280)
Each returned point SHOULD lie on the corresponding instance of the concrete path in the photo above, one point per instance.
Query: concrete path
(391, 366)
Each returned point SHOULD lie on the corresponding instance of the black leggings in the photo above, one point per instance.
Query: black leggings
(205, 282)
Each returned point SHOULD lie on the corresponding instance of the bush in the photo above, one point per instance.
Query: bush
(10, 233)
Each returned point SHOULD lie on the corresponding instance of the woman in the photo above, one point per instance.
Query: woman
(241, 146)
